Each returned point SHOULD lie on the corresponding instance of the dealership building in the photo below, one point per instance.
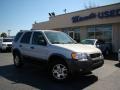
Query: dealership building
(99, 23)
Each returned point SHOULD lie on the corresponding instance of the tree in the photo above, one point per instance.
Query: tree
(3, 34)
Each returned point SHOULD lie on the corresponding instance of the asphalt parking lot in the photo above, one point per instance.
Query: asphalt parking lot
(32, 77)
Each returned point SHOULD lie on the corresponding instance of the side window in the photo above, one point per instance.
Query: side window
(100, 42)
(38, 39)
(26, 38)
(18, 36)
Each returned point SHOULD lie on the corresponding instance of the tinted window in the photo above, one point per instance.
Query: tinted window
(38, 39)
(91, 42)
(100, 42)
(103, 32)
(18, 36)
(26, 38)
(58, 38)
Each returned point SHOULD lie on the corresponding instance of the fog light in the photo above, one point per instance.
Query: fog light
(81, 70)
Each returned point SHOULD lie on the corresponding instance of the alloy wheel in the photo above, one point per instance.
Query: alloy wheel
(60, 71)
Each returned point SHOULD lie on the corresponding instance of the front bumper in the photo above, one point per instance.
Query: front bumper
(6, 48)
(84, 66)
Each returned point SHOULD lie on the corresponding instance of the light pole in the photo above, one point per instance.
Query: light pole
(9, 32)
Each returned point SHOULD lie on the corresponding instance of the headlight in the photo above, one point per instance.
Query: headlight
(4, 45)
(79, 56)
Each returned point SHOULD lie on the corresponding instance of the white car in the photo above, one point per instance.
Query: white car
(106, 48)
(62, 54)
(5, 44)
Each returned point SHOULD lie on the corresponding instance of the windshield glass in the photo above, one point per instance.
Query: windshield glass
(91, 42)
(7, 40)
(59, 38)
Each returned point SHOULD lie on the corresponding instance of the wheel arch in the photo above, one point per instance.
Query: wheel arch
(57, 57)
(16, 51)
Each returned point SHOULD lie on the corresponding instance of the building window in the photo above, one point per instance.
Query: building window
(77, 35)
(91, 32)
(103, 32)
(71, 34)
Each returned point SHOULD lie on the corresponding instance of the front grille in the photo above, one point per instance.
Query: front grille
(95, 55)
(9, 45)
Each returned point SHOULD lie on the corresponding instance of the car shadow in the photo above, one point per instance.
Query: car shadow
(8, 51)
(117, 65)
(37, 77)
(112, 56)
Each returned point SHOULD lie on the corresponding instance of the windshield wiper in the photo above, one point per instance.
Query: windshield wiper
(63, 43)
(55, 42)
(72, 42)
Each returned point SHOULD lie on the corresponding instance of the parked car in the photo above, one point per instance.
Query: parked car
(5, 44)
(62, 54)
(106, 48)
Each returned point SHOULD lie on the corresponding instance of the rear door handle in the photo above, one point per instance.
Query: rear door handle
(20, 45)
(32, 47)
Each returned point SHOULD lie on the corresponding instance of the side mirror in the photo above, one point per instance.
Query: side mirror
(42, 42)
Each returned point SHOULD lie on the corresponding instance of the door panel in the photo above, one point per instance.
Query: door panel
(25, 43)
(39, 46)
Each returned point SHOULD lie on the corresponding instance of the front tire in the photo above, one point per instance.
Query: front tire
(18, 61)
(59, 71)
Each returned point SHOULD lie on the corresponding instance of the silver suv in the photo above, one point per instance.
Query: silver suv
(62, 54)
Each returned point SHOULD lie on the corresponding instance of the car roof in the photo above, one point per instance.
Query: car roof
(37, 30)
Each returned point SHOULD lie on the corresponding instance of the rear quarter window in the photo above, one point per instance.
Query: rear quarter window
(26, 38)
(18, 36)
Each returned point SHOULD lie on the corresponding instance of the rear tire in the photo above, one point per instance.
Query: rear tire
(18, 61)
(1, 50)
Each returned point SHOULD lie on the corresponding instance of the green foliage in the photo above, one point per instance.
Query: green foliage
(3, 34)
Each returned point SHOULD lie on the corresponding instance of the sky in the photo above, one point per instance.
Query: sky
(18, 15)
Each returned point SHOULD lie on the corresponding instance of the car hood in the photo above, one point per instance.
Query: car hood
(7, 42)
(79, 48)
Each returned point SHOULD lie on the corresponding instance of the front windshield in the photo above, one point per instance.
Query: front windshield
(7, 40)
(59, 38)
(91, 42)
